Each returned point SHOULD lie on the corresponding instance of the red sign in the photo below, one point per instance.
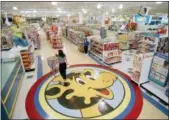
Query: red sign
(111, 46)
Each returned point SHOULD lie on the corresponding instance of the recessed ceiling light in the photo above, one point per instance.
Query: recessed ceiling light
(113, 10)
(159, 2)
(107, 13)
(84, 11)
(99, 6)
(54, 3)
(121, 6)
(15, 8)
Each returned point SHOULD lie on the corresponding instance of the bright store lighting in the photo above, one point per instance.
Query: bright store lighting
(15, 8)
(107, 13)
(54, 3)
(84, 11)
(34, 11)
(159, 2)
(113, 10)
(99, 6)
(121, 6)
(59, 9)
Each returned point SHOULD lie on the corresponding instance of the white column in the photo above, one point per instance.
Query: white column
(102, 20)
(80, 18)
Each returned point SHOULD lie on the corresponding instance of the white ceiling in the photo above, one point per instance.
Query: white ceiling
(73, 8)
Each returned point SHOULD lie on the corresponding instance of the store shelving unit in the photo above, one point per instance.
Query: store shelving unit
(27, 58)
(158, 77)
(141, 67)
(123, 40)
(134, 37)
(106, 51)
(72, 36)
(56, 42)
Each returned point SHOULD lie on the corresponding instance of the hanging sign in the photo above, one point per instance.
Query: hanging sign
(142, 19)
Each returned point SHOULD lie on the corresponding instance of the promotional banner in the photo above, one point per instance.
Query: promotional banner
(142, 19)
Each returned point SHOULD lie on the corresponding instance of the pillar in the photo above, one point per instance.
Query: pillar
(102, 26)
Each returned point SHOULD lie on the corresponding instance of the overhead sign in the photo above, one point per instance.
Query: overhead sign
(142, 19)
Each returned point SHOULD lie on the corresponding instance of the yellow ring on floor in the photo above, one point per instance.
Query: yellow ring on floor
(110, 115)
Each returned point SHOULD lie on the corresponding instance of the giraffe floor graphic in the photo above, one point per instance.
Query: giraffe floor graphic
(91, 91)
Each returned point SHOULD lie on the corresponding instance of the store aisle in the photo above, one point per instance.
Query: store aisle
(71, 51)
(74, 57)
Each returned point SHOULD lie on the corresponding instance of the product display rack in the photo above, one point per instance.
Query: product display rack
(141, 67)
(6, 40)
(57, 42)
(158, 77)
(72, 36)
(27, 58)
(123, 40)
(108, 52)
(134, 37)
(147, 44)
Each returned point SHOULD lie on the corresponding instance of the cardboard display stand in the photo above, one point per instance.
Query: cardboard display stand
(159, 69)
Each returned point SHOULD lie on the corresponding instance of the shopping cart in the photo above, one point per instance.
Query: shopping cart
(53, 64)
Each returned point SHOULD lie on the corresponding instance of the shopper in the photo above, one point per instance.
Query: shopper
(62, 64)
(86, 44)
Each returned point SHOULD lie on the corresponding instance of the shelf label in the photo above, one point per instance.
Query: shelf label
(111, 46)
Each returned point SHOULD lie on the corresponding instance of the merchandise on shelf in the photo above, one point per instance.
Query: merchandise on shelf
(105, 50)
(147, 43)
(159, 69)
(112, 53)
(123, 39)
(141, 67)
(134, 37)
(57, 41)
(33, 34)
(163, 45)
(28, 58)
(72, 36)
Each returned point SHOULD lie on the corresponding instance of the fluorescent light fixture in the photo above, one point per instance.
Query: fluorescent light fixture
(34, 11)
(84, 11)
(113, 10)
(15, 8)
(99, 6)
(121, 6)
(159, 2)
(54, 3)
(107, 13)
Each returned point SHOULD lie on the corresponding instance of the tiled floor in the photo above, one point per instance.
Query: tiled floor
(74, 57)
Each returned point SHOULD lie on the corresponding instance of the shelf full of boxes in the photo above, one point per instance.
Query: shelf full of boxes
(105, 51)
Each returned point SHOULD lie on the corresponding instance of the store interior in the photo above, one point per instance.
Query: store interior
(123, 73)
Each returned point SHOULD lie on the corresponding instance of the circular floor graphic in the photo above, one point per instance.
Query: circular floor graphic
(91, 91)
